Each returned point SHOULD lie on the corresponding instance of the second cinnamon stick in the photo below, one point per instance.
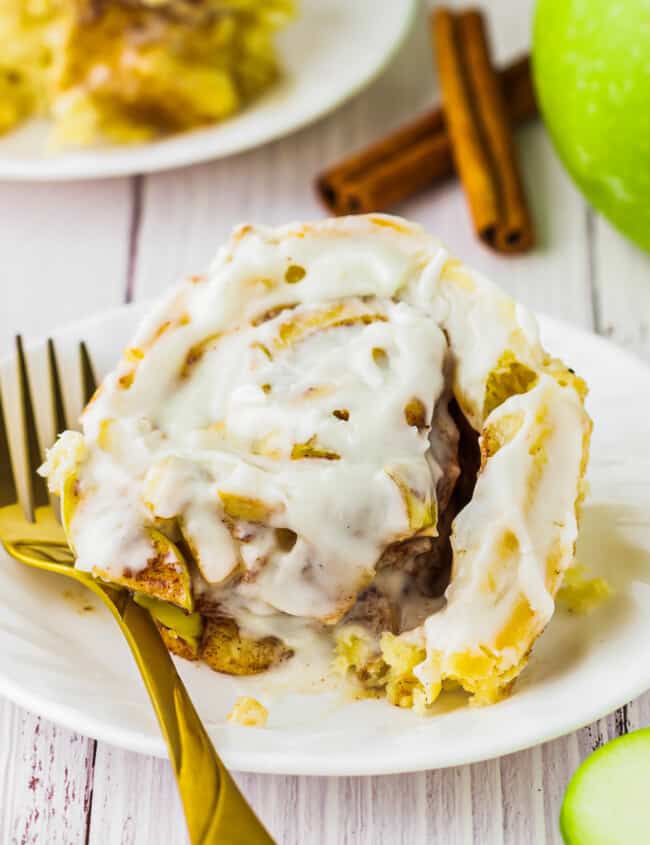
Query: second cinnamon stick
(479, 129)
(514, 228)
(415, 156)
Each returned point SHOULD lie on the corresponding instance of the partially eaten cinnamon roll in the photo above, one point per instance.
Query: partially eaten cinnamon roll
(340, 427)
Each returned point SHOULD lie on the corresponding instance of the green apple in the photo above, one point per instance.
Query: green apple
(607, 801)
(591, 67)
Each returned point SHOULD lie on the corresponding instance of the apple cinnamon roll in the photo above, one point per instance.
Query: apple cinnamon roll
(339, 427)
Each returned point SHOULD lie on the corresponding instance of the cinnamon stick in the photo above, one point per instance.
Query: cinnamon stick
(480, 132)
(415, 156)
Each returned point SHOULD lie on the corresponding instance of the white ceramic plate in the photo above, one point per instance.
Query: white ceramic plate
(72, 666)
(332, 50)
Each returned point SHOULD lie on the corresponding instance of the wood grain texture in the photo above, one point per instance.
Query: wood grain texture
(134, 801)
(78, 248)
(621, 289)
(46, 776)
(63, 251)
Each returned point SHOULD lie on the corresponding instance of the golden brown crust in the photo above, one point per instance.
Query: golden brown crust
(224, 649)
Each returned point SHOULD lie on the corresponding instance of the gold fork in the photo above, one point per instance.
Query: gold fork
(215, 810)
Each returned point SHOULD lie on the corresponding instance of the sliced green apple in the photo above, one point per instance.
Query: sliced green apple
(606, 802)
(175, 625)
(166, 575)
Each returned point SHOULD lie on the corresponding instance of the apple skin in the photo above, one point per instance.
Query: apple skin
(591, 69)
(606, 801)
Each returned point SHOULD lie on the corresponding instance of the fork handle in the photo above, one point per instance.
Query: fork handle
(215, 810)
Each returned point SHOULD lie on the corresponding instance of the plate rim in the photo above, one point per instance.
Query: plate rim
(104, 166)
(308, 763)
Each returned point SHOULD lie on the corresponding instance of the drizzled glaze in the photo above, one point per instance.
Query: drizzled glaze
(280, 410)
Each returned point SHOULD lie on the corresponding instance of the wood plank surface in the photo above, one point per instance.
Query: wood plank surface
(69, 250)
(46, 777)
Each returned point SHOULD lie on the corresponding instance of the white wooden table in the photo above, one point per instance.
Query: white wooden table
(70, 250)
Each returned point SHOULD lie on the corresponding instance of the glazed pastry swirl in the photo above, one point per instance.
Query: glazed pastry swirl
(276, 418)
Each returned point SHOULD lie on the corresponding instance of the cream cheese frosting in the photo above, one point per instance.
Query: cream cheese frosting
(276, 418)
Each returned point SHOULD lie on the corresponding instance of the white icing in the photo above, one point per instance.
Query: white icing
(378, 300)
(537, 508)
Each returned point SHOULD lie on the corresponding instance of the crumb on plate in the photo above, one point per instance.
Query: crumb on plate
(581, 594)
(248, 712)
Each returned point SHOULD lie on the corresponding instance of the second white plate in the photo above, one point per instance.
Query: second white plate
(332, 50)
(70, 664)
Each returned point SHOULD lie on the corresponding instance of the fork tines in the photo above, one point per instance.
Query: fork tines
(34, 408)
